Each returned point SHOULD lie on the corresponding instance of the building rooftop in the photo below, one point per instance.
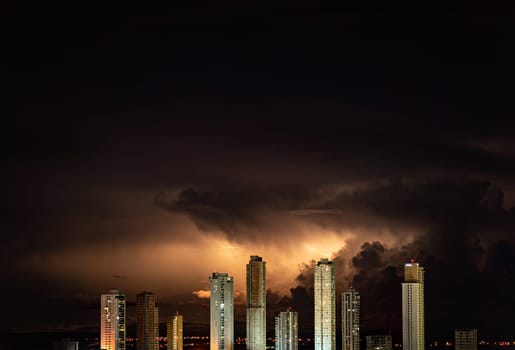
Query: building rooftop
(324, 261)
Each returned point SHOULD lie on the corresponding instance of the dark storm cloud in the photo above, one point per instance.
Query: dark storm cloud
(453, 285)
(463, 239)
(232, 212)
(424, 204)
(455, 280)
(276, 166)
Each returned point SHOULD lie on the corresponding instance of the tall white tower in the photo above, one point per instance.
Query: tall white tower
(222, 312)
(325, 306)
(350, 319)
(287, 331)
(112, 321)
(256, 304)
(413, 307)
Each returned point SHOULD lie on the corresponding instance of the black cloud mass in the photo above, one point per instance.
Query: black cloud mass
(464, 241)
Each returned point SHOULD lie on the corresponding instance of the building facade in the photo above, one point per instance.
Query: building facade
(325, 306)
(65, 345)
(379, 342)
(147, 321)
(112, 320)
(256, 304)
(413, 337)
(221, 311)
(350, 319)
(174, 332)
(287, 331)
(465, 339)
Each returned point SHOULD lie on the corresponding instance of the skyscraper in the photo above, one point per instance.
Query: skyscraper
(287, 331)
(256, 304)
(413, 307)
(465, 339)
(147, 321)
(350, 319)
(325, 306)
(222, 312)
(112, 321)
(174, 332)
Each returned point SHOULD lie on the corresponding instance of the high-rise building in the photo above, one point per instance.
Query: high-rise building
(350, 319)
(287, 331)
(325, 306)
(222, 312)
(174, 332)
(413, 307)
(379, 342)
(112, 321)
(147, 321)
(465, 339)
(256, 304)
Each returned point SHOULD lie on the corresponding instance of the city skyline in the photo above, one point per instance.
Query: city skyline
(286, 322)
(112, 312)
(152, 145)
(113, 315)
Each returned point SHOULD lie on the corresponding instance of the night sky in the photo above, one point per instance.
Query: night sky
(149, 147)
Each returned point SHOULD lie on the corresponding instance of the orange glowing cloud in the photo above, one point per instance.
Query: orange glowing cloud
(202, 294)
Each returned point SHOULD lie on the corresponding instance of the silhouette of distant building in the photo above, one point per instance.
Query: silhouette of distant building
(65, 345)
(379, 342)
(465, 339)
